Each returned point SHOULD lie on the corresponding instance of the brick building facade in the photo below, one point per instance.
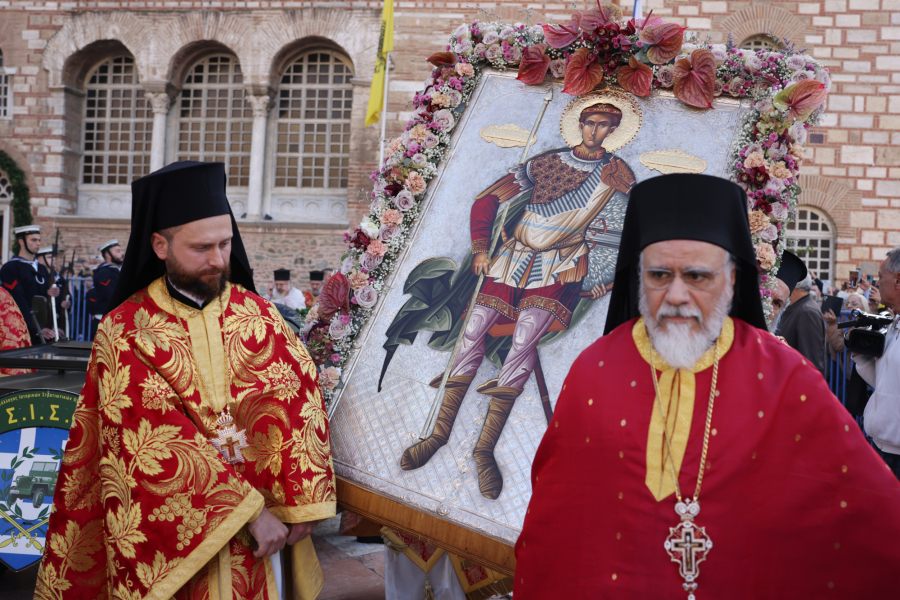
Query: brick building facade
(94, 94)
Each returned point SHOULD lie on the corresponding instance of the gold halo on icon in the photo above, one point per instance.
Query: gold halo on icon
(632, 118)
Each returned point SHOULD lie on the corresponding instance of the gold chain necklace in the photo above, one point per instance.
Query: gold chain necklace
(687, 543)
(228, 441)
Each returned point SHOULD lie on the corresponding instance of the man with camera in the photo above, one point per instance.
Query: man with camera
(881, 419)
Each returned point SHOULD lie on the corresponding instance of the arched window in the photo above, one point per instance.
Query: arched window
(215, 121)
(313, 131)
(762, 41)
(814, 235)
(5, 89)
(118, 125)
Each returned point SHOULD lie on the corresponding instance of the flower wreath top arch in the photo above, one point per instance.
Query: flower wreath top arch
(786, 87)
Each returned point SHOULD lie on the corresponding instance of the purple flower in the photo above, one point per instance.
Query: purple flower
(335, 357)
(366, 296)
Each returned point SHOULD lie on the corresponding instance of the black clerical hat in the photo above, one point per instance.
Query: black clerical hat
(792, 270)
(177, 194)
(686, 207)
(282, 275)
(317, 275)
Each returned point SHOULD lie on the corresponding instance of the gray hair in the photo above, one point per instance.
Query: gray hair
(805, 285)
(894, 260)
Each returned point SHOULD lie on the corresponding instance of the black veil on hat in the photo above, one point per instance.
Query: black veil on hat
(792, 270)
(179, 193)
(686, 207)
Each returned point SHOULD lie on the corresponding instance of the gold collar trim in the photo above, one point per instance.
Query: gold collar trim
(160, 295)
(642, 341)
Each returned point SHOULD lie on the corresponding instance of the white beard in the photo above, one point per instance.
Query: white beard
(678, 343)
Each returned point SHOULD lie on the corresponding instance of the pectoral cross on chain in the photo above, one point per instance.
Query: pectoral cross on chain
(688, 545)
(230, 441)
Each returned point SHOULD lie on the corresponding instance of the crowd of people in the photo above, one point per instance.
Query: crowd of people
(39, 287)
(684, 327)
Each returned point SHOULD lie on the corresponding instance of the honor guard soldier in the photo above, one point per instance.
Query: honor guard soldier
(106, 276)
(24, 277)
(45, 257)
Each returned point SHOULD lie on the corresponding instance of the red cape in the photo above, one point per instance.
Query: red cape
(796, 502)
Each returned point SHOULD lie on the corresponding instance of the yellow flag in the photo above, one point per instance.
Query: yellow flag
(385, 45)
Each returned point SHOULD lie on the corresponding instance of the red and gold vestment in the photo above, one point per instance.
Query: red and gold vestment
(13, 331)
(797, 503)
(145, 506)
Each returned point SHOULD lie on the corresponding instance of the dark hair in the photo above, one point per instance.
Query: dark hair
(168, 233)
(616, 119)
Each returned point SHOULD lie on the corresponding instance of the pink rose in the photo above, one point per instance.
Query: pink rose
(445, 119)
(769, 234)
(513, 55)
(494, 52)
(455, 97)
(718, 86)
(388, 232)
(366, 297)
(430, 141)
(376, 248)
(404, 200)
(558, 68)
(465, 69)
(801, 76)
(391, 217)
(415, 183)
(823, 77)
(338, 329)
(491, 37)
(369, 262)
(795, 63)
(666, 76)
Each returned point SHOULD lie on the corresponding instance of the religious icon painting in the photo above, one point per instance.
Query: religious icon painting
(34, 428)
(505, 280)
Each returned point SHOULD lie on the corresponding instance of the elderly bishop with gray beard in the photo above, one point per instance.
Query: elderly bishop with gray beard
(689, 402)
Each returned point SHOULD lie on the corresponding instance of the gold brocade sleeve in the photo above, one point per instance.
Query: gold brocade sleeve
(677, 390)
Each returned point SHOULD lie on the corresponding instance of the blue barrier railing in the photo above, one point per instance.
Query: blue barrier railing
(79, 317)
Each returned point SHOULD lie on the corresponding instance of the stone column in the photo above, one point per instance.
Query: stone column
(159, 103)
(260, 105)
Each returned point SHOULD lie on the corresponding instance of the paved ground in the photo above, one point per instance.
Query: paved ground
(352, 571)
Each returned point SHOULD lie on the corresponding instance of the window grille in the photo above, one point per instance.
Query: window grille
(216, 121)
(313, 134)
(762, 41)
(5, 108)
(118, 125)
(6, 192)
(813, 235)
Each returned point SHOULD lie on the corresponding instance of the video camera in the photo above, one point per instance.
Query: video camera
(869, 338)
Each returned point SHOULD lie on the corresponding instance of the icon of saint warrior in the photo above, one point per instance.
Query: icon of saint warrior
(558, 254)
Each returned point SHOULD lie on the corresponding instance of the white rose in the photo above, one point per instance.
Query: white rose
(507, 33)
(494, 52)
(536, 32)
(461, 31)
(347, 265)
(490, 37)
(798, 133)
(752, 61)
(370, 228)
(455, 97)
(796, 63)
(769, 234)
(823, 77)
(464, 47)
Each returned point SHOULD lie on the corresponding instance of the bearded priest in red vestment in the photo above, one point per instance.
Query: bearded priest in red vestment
(200, 444)
(711, 459)
(13, 331)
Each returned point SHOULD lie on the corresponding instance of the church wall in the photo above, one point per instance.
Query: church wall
(859, 40)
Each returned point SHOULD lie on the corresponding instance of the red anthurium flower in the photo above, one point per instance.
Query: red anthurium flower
(695, 79)
(665, 41)
(534, 65)
(582, 73)
(635, 77)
